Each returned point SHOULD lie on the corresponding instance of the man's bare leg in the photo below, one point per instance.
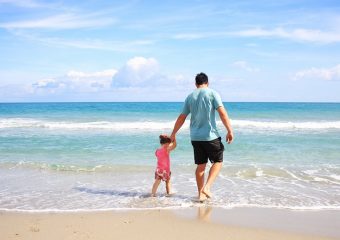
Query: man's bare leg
(200, 180)
(213, 172)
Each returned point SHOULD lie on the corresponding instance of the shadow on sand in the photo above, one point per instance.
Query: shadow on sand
(119, 193)
(112, 192)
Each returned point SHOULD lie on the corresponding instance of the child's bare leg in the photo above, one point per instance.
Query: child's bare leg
(168, 186)
(154, 187)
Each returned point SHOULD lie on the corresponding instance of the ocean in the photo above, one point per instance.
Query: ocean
(100, 156)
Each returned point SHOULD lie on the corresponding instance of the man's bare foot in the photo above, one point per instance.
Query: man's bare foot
(206, 192)
(202, 198)
(152, 195)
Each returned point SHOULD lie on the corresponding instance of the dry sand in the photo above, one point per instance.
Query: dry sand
(195, 223)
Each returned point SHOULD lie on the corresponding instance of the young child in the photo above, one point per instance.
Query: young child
(163, 164)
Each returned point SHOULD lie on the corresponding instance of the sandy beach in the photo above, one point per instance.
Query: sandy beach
(193, 223)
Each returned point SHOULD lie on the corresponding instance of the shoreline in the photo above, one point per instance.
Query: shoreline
(190, 223)
(172, 208)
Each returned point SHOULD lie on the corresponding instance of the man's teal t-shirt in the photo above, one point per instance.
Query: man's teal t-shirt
(202, 104)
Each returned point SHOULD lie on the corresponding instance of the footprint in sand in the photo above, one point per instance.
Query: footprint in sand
(34, 229)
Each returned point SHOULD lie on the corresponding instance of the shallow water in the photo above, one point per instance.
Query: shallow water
(92, 156)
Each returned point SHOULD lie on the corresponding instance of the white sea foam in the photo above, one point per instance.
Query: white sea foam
(336, 177)
(317, 125)
(29, 123)
(259, 173)
(106, 125)
(184, 206)
(60, 191)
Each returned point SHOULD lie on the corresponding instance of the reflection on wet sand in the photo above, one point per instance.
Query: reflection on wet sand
(204, 213)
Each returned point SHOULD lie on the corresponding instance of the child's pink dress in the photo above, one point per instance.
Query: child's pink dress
(163, 164)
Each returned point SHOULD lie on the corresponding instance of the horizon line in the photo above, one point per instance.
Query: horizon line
(164, 102)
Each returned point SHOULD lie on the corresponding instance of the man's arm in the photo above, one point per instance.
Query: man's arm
(179, 123)
(226, 122)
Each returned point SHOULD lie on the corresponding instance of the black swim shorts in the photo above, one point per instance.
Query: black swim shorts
(208, 149)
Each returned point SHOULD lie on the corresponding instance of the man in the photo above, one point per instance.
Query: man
(206, 141)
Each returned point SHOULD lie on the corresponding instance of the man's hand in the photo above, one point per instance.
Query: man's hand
(226, 122)
(173, 137)
(229, 137)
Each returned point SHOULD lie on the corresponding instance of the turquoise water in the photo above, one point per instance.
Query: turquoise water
(91, 156)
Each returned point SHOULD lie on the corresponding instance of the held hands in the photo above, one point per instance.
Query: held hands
(229, 137)
(173, 137)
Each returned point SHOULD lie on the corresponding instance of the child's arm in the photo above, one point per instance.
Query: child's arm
(172, 145)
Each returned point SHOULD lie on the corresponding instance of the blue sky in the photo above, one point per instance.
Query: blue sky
(152, 50)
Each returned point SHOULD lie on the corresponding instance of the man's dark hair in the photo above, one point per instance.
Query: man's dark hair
(201, 78)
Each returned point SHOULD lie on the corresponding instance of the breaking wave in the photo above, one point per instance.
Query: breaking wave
(29, 123)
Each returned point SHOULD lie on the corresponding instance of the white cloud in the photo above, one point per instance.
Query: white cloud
(190, 36)
(49, 83)
(117, 46)
(299, 35)
(145, 73)
(245, 66)
(62, 21)
(76, 81)
(77, 74)
(139, 79)
(23, 3)
(328, 74)
(201, 35)
(137, 72)
(303, 35)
